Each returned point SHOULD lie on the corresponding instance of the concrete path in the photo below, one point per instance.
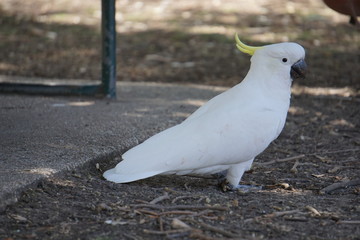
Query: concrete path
(41, 136)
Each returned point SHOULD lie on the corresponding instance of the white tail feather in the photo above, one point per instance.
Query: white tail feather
(113, 176)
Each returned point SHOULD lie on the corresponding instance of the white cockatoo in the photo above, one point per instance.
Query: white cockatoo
(227, 132)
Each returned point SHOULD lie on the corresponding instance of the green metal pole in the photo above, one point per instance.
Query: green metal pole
(108, 48)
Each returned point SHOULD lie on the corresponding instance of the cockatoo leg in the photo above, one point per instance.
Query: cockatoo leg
(233, 177)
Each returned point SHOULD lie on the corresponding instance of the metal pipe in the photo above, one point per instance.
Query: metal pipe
(108, 48)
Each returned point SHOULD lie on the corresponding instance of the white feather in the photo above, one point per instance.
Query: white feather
(227, 132)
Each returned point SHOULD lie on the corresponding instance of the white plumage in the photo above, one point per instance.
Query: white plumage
(227, 132)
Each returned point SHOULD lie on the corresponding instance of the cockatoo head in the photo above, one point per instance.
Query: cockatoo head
(281, 57)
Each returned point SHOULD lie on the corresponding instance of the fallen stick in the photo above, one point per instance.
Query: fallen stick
(293, 169)
(178, 213)
(339, 151)
(180, 207)
(279, 214)
(166, 232)
(338, 185)
(159, 199)
(161, 224)
(313, 210)
(185, 197)
(296, 219)
(282, 160)
(147, 212)
(273, 215)
(125, 209)
(180, 198)
(215, 229)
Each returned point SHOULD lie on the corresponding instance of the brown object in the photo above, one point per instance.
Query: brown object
(347, 7)
(338, 185)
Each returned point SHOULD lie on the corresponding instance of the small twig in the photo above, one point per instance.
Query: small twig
(167, 213)
(293, 169)
(338, 151)
(125, 209)
(161, 224)
(147, 212)
(313, 210)
(296, 219)
(211, 217)
(214, 229)
(273, 215)
(184, 197)
(338, 185)
(282, 160)
(129, 236)
(161, 198)
(183, 207)
(178, 213)
(206, 211)
(179, 198)
(166, 232)
(279, 214)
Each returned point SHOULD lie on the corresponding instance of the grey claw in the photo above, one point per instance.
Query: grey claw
(247, 188)
(226, 186)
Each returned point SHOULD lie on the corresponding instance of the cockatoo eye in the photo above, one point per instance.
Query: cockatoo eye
(284, 60)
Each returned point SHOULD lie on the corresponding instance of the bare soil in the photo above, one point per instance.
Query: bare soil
(315, 151)
(319, 147)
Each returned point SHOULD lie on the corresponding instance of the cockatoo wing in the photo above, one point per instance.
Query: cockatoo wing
(218, 134)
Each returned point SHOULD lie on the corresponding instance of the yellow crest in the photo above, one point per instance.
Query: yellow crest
(245, 48)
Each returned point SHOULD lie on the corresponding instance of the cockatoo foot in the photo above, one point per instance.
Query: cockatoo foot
(247, 188)
(225, 186)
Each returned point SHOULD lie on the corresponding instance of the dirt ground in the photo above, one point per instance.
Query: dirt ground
(310, 174)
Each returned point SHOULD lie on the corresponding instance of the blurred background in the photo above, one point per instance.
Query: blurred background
(186, 41)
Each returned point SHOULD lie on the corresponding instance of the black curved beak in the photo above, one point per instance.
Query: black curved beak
(298, 69)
